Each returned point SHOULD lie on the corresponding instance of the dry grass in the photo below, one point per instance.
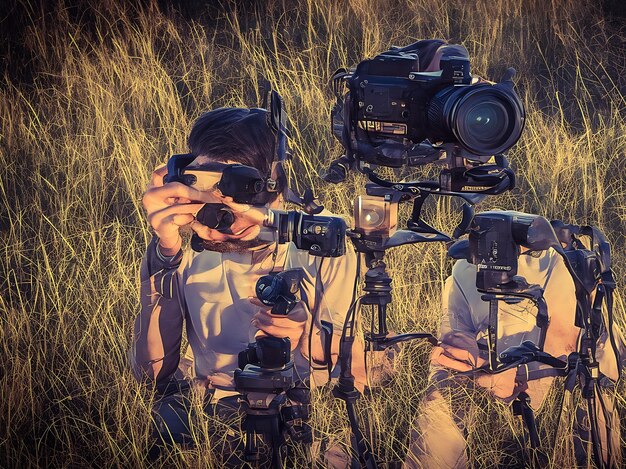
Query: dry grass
(110, 91)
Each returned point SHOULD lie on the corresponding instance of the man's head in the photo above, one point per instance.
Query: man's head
(234, 135)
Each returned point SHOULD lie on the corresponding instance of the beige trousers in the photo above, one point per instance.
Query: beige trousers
(443, 426)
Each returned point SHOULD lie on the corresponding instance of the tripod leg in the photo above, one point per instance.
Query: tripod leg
(360, 444)
(251, 450)
(609, 427)
(595, 431)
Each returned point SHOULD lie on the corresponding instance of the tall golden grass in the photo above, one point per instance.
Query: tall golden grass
(112, 89)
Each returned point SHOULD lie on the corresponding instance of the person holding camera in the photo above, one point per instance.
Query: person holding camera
(211, 293)
(440, 431)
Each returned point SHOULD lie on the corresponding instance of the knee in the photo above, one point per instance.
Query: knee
(170, 424)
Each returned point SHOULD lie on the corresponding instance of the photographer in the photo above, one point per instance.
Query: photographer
(439, 437)
(211, 292)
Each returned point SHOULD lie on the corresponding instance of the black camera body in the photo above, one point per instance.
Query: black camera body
(319, 235)
(279, 290)
(493, 246)
(265, 367)
(392, 96)
(246, 185)
(393, 113)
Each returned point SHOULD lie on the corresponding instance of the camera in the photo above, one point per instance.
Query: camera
(265, 366)
(279, 290)
(495, 238)
(320, 235)
(391, 108)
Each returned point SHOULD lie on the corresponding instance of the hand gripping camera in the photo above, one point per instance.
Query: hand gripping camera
(320, 235)
(265, 378)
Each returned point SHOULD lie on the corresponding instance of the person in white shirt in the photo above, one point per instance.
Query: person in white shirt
(439, 436)
(211, 293)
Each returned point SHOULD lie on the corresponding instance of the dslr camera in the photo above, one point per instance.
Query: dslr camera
(390, 113)
(494, 242)
(319, 235)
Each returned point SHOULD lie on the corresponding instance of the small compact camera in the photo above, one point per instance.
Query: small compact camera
(279, 290)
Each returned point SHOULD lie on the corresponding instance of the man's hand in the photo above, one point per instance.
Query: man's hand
(501, 385)
(278, 325)
(170, 206)
(455, 358)
(464, 356)
(247, 225)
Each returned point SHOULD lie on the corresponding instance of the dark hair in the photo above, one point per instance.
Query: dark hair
(237, 134)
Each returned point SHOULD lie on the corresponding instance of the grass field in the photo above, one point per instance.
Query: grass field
(95, 95)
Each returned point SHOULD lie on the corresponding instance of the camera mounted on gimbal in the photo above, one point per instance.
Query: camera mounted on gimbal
(394, 114)
(275, 407)
(390, 112)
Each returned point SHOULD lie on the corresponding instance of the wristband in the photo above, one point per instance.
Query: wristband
(161, 257)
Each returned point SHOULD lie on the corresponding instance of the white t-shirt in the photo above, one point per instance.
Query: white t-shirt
(208, 293)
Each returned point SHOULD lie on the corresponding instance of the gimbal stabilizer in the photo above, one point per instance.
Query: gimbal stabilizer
(377, 287)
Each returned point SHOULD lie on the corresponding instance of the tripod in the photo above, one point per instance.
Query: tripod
(378, 294)
(263, 417)
(377, 290)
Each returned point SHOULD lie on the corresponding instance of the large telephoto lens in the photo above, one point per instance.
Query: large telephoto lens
(484, 119)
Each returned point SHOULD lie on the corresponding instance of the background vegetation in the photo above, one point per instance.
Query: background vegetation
(95, 94)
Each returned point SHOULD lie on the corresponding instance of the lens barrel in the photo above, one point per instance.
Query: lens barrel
(216, 216)
(485, 119)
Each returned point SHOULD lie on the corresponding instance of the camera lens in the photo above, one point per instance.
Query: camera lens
(373, 215)
(216, 216)
(483, 119)
(487, 121)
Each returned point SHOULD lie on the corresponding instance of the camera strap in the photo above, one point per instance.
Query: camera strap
(590, 277)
